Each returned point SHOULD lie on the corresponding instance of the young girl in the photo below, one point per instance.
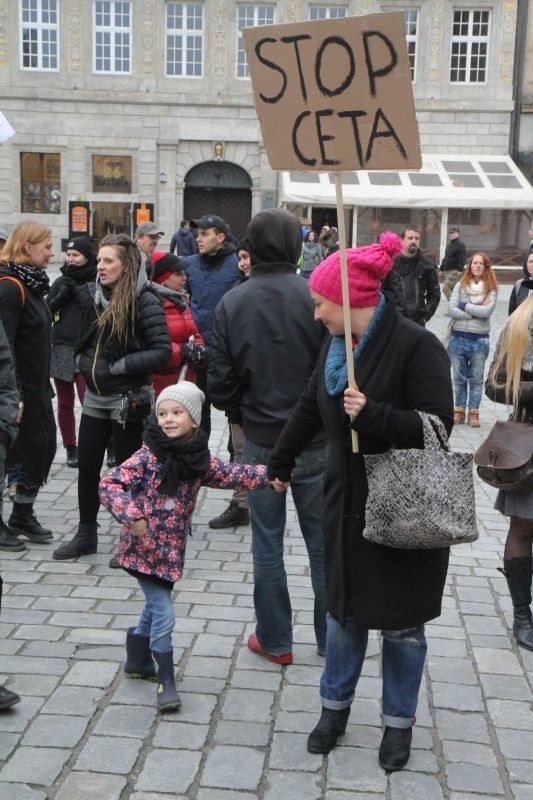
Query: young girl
(154, 494)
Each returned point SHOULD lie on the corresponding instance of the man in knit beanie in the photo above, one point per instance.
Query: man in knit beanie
(265, 346)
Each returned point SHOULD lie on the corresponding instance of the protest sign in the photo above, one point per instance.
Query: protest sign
(335, 94)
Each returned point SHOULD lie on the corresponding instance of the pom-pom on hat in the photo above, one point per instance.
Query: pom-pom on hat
(186, 394)
(367, 266)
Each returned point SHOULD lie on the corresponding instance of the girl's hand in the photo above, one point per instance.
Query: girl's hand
(279, 486)
(139, 527)
(19, 413)
(354, 402)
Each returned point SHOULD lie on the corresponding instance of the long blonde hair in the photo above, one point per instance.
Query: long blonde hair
(513, 345)
(121, 312)
(25, 232)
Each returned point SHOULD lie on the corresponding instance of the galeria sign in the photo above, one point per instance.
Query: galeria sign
(335, 94)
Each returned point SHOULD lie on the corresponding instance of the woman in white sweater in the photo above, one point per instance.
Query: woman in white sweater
(470, 307)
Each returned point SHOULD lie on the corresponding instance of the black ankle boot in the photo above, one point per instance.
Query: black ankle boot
(331, 725)
(23, 522)
(8, 542)
(72, 455)
(395, 748)
(139, 662)
(518, 573)
(84, 543)
(167, 697)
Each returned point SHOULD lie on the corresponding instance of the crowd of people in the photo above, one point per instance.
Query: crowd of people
(151, 340)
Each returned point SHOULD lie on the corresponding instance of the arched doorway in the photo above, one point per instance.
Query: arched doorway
(219, 187)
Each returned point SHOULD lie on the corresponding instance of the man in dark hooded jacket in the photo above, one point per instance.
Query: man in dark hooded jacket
(265, 345)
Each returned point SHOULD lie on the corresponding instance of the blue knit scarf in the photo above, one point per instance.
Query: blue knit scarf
(336, 371)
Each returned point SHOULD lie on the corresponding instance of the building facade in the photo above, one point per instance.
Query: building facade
(134, 109)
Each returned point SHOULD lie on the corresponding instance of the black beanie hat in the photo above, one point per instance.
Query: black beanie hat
(83, 245)
(165, 262)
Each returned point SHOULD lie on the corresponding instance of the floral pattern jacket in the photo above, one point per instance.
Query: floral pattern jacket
(130, 492)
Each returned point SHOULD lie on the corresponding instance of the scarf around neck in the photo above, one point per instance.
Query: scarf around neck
(34, 278)
(80, 275)
(336, 371)
(182, 459)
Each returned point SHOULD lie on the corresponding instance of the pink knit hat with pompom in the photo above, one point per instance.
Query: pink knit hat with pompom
(367, 266)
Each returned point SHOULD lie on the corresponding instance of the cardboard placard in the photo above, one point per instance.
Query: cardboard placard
(335, 94)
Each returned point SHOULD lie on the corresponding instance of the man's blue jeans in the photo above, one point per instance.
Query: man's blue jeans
(268, 518)
(157, 617)
(402, 660)
(468, 358)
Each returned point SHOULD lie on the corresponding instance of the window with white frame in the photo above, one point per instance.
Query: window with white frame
(39, 34)
(248, 17)
(112, 36)
(411, 36)
(327, 12)
(470, 46)
(184, 39)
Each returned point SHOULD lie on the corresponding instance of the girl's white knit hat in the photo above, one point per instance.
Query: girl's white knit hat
(188, 395)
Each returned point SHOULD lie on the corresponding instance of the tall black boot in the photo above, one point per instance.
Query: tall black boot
(23, 522)
(167, 697)
(139, 662)
(84, 543)
(331, 725)
(518, 573)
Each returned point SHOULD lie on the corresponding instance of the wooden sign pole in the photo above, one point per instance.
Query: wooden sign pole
(345, 295)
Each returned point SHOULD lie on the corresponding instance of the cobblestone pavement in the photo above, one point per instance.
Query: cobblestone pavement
(82, 730)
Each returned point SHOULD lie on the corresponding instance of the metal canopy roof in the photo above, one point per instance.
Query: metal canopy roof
(452, 181)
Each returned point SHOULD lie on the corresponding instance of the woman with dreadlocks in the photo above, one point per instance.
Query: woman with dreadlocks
(126, 341)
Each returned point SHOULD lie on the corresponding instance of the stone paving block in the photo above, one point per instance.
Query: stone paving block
(19, 791)
(164, 772)
(77, 621)
(220, 794)
(213, 646)
(102, 592)
(521, 771)
(73, 700)
(469, 752)
(225, 628)
(292, 785)
(474, 778)
(61, 731)
(295, 698)
(180, 735)
(490, 626)
(349, 767)
(457, 696)
(196, 707)
(230, 767)
(516, 744)
(446, 648)
(85, 652)
(497, 662)
(15, 719)
(8, 741)
(36, 765)
(91, 786)
(360, 736)
(491, 642)
(522, 791)
(37, 632)
(451, 670)
(109, 755)
(423, 761)
(66, 604)
(253, 734)
(289, 750)
(301, 721)
(511, 714)
(469, 727)
(208, 667)
(409, 785)
(24, 616)
(9, 647)
(269, 681)
(247, 705)
(45, 649)
(135, 692)
(125, 721)
(95, 636)
(83, 673)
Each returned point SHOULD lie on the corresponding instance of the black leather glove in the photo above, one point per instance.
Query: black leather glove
(195, 354)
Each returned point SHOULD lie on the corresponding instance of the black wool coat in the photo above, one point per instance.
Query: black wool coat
(403, 367)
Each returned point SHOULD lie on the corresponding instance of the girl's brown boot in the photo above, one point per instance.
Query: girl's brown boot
(458, 416)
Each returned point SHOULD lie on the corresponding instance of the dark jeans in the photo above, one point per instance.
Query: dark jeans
(93, 438)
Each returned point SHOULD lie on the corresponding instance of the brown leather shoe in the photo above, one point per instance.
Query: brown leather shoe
(458, 416)
(473, 418)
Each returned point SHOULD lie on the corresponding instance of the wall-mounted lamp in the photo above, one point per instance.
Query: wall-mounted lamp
(163, 178)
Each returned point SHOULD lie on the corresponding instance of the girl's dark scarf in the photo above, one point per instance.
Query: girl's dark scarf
(34, 278)
(336, 371)
(182, 459)
(80, 275)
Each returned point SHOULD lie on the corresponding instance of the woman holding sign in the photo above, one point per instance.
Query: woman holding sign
(399, 367)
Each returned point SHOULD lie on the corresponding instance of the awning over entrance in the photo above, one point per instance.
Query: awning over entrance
(444, 181)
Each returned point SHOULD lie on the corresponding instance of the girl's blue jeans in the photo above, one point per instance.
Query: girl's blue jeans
(402, 659)
(157, 617)
(468, 358)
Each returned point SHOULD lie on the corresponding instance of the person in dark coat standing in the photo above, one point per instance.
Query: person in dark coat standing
(27, 323)
(454, 261)
(399, 367)
(264, 350)
(412, 283)
(68, 300)
(183, 242)
(523, 288)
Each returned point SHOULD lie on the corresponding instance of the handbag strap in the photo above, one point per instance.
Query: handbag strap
(435, 435)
